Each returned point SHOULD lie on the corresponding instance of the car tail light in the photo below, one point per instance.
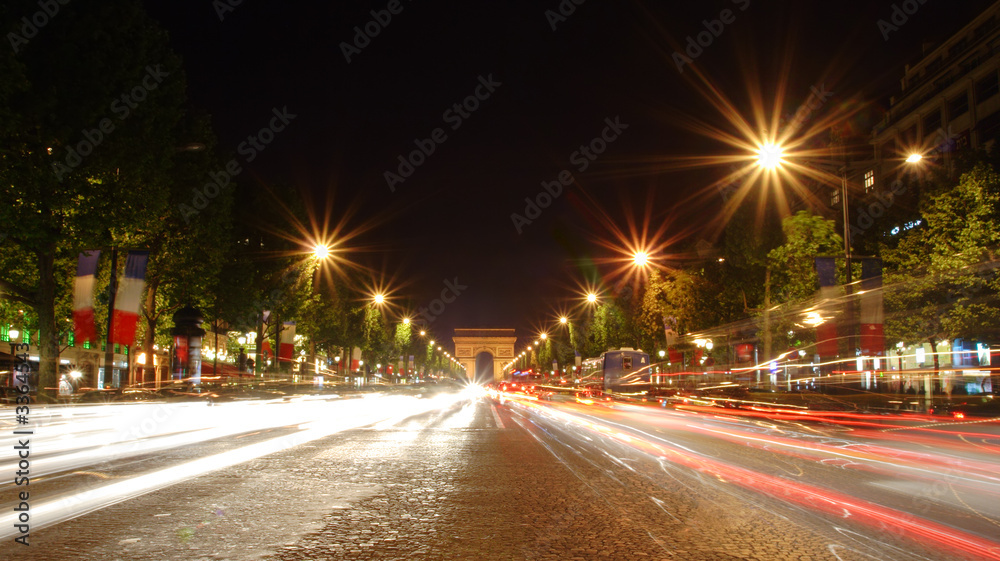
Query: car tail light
(959, 415)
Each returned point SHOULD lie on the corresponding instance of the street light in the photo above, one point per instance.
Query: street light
(321, 251)
(640, 258)
(769, 155)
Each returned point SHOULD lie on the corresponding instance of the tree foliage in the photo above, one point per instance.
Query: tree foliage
(942, 279)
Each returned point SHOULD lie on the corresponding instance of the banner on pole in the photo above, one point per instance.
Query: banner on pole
(128, 300)
(826, 331)
(83, 297)
(287, 348)
(872, 312)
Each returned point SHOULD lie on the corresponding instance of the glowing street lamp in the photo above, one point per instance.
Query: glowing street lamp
(640, 259)
(406, 321)
(591, 298)
(378, 299)
(564, 320)
(769, 155)
(914, 158)
(321, 251)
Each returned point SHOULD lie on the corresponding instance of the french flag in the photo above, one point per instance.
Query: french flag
(872, 312)
(129, 298)
(287, 347)
(83, 297)
(826, 332)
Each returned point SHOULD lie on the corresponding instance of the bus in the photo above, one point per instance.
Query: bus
(624, 370)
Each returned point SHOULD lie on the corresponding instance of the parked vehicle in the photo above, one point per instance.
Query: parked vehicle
(987, 406)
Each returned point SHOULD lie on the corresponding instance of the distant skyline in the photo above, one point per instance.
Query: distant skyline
(490, 146)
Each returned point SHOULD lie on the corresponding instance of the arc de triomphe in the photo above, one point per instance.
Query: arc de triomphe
(499, 343)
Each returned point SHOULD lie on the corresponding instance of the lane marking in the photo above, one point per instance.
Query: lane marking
(496, 417)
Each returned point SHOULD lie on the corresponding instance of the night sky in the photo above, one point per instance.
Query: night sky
(550, 91)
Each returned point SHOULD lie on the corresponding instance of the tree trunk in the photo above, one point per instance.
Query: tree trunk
(930, 380)
(276, 348)
(767, 326)
(152, 318)
(48, 334)
(258, 364)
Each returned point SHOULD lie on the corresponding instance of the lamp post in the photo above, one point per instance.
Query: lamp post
(13, 336)
(320, 253)
(243, 356)
(771, 156)
(187, 334)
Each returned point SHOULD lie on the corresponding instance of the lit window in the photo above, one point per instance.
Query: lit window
(869, 180)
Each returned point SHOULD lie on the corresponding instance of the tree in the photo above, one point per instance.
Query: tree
(793, 277)
(330, 320)
(186, 254)
(941, 278)
(378, 341)
(738, 281)
(608, 329)
(793, 264)
(84, 147)
(670, 297)
(265, 270)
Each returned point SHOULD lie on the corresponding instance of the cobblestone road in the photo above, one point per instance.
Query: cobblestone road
(479, 481)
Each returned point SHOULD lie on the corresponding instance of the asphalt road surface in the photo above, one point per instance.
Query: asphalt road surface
(461, 476)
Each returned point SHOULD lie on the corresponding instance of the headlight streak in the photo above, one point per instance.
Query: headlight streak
(120, 433)
(854, 420)
(327, 419)
(864, 453)
(898, 523)
(866, 541)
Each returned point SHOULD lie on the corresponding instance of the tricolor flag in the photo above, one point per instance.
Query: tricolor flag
(675, 355)
(872, 314)
(129, 298)
(83, 297)
(287, 347)
(826, 332)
